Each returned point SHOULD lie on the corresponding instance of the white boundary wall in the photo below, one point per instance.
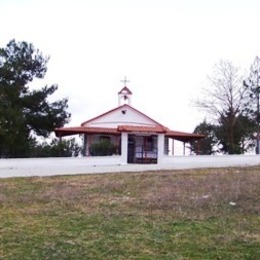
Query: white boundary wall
(89, 165)
(203, 161)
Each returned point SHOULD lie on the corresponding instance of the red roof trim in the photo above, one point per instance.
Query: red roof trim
(143, 129)
(177, 133)
(119, 108)
(180, 136)
(119, 129)
(183, 137)
(108, 112)
(147, 116)
(126, 89)
(84, 130)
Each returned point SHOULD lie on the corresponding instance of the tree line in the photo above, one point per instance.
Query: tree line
(231, 104)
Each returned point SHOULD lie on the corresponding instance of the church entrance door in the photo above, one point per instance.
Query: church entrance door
(131, 149)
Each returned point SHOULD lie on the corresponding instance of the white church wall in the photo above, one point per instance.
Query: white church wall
(123, 116)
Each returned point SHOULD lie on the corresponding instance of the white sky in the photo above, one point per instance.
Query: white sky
(166, 48)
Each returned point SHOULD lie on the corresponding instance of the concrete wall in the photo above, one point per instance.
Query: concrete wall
(202, 161)
(89, 165)
(54, 166)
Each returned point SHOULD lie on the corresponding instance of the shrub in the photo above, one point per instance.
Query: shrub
(102, 148)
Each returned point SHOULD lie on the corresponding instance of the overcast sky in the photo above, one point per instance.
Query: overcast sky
(166, 48)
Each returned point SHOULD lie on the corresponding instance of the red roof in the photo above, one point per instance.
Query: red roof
(65, 131)
(180, 136)
(125, 90)
(157, 128)
(143, 129)
(183, 137)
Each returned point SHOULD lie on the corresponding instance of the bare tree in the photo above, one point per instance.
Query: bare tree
(222, 101)
(224, 91)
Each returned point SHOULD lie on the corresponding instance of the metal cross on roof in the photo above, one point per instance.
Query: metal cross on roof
(125, 81)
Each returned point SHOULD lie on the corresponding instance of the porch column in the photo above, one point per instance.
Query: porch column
(124, 146)
(160, 146)
(84, 150)
(88, 143)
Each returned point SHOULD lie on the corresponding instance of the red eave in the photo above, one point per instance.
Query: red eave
(180, 136)
(143, 129)
(108, 112)
(183, 137)
(65, 131)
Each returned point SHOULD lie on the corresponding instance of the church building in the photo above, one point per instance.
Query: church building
(137, 137)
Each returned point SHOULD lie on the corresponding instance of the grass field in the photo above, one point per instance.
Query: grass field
(190, 214)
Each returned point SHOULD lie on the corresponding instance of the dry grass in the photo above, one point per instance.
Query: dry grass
(191, 214)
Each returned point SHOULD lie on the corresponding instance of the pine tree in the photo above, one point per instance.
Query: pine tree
(252, 102)
(24, 113)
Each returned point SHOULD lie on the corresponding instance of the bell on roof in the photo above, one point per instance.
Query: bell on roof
(124, 95)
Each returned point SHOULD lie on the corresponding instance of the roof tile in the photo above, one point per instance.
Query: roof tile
(180, 136)
(146, 129)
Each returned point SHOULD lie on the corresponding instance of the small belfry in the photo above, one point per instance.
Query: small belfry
(124, 95)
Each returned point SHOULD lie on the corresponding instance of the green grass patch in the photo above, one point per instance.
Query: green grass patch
(190, 214)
